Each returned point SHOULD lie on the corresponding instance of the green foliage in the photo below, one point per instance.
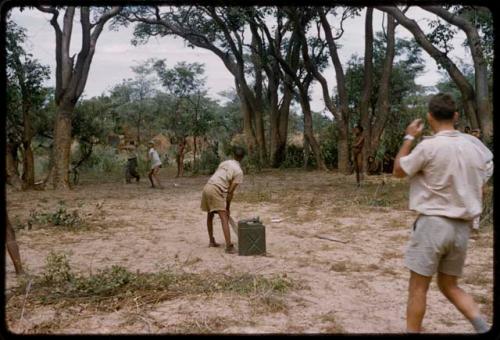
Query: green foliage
(113, 287)
(60, 217)
(57, 269)
(294, 157)
(328, 143)
(208, 162)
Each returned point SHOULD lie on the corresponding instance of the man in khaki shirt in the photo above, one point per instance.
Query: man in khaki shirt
(447, 172)
(222, 183)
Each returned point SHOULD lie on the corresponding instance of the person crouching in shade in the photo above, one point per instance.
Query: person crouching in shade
(222, 183)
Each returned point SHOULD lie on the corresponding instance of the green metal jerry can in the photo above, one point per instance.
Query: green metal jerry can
(251, 237)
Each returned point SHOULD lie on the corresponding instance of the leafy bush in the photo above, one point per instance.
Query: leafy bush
(294, 157)
(57, 269)
(208, 162)
(60, 217)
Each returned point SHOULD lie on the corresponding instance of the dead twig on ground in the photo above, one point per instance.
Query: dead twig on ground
(330, 239)
(25, 298)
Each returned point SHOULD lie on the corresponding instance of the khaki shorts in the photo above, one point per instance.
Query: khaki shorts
(212, 199)
(437, 244)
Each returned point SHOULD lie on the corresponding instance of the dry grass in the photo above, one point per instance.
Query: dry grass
(332, 325)
(115, 288)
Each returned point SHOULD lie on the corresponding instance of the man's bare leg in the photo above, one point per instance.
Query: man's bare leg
(13, 249)
(156, 171)
(210, 228)
(224, 217)
(417, 299)
(150, 176)
(462, 301)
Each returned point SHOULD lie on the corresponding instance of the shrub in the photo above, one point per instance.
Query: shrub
(60, 217)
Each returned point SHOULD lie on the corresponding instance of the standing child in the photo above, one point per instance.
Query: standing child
(218, 194)
(155, 161)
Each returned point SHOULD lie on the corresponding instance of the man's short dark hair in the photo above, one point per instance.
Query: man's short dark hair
(238, 152)
(442, 106)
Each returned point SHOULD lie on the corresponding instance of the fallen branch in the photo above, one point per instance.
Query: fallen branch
(330, 239)
(25, 298)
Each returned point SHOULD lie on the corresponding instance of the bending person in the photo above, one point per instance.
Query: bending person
(222, 183)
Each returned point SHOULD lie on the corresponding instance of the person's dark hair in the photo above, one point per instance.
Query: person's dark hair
(442, 106)
(238, 152)
(359, 127)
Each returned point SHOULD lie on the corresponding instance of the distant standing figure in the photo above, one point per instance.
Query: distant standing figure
(357, 150)
(131, 168)
(218, 193)
(447, 172)
(155, 161)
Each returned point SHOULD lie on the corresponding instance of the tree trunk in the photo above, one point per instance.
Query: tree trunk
(343, 118)
(484, 115)
(383, 107)
(180, 157)
(343, 147)
(308, 128)
(466, 89)
(28, 160)
(61, 148)
(194, 151)
(10, 167)
(364, 105)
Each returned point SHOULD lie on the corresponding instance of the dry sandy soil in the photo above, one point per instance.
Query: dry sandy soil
(359, 286)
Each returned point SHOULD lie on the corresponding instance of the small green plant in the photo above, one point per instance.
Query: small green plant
(57, 269)
(60, 217)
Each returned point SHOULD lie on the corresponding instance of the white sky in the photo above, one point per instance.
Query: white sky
(115, 54)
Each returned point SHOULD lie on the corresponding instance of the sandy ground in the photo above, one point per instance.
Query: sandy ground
(355, 287)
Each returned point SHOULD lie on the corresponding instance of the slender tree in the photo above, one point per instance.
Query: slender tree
(71, 77)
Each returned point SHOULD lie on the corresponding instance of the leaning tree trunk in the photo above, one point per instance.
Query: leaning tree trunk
(383, 104)
(484, 117)
(61, 149)
(466, 89)
(308, 128)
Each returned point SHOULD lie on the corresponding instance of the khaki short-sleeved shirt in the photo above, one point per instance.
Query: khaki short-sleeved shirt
(447, 172)
(228, 172)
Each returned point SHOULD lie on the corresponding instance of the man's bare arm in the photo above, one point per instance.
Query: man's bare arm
(414, 129)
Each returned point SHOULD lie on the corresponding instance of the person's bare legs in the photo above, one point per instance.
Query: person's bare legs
(456, 295)
(357, 168)
(13, 249)
(156, 172)
(210, 228)
(150, 176)
(417, 300)
(224, 218)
